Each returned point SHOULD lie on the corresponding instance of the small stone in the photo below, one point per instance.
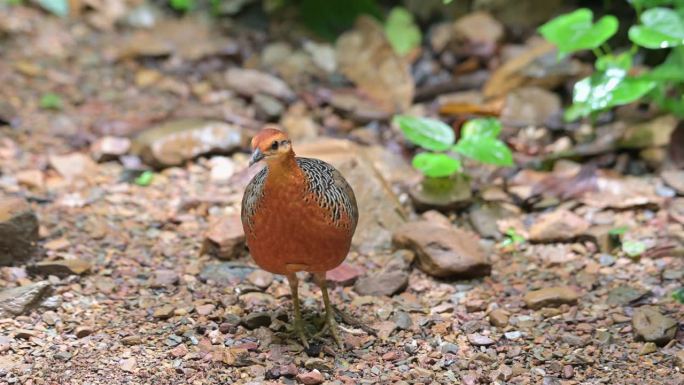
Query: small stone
(480, 340)
(128, 364)
(498, 318)
(568, 372)
(574, 340)
(164, 312)
(313, 377)
(402, 320)
(256, 299)
(606, 259)
(443, 251)
(603, 337)
(50, 317)
(25, 334)
(83, 331)
(558, 225)
(513, 335)
(674, 178)
(62, 356)
(19, 300)
(225, 238)
(205, 309)
(31, 179)
(387, 283)
(179, 351)
(319, 364)
(551, 297)
(449, 348)
(267, 106)
(624, 294)
(261, 279)
(60, 268)
(18, 231)
(131, 340)
(222, 169)
(256, 320)
(475, 305)
(252, 82)
(109, 148)
(343, 275)
(163, 278)
(679, 359)
(648, 348)
(651, 326)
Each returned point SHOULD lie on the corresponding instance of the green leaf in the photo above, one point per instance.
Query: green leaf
(485, 149)
(649, 3)
(622, 61)
(58, 7)
(604, 90)
(575, 31)
(182, 5)
(490, 127)
(670, 69)
(659, 28)
(51, 101)
(431, 134)
(633, 248)
(618, 230)
(436, 165)
(678, 295)
(401, 31)
(144, 179)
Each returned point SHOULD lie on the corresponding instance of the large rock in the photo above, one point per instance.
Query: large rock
(225, 238)
(18, 230)
(651, 326)
(174, 142)
(384, 283)
(19, 300)
(380, 212)
(442, 250)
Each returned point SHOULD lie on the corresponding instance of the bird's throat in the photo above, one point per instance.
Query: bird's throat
(283, 168)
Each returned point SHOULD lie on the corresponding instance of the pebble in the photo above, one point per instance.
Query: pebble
(606, 259)
(568, 372)
(651, 326)
(402, 320)
(205, 309)
(60, 268)
(551, 297)
(514, 335)
(343, 275)
(128, 364)
(558, 225)
(179, 351)
(313, 377)
(63, 356)
(163, 278)
(383, 284)
(164, 312)
(319, 364)
(648, 348)
(83, 331)
(498, 317)
(261, 279)
(480, 340)
(131, 340)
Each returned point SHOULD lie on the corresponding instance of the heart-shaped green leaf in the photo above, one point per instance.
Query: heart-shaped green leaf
(485, 149)
(659, 28)
(436, 165)
(575, 31)
(430, 134)
(671, 69)
(401, 31)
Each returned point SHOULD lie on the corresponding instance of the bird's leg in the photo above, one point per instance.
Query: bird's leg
(298, 324)
(330, 322)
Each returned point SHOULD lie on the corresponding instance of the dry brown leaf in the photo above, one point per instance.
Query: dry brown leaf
(365, 56)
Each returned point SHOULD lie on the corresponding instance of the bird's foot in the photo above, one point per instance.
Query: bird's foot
(331, 326)
(299, 333)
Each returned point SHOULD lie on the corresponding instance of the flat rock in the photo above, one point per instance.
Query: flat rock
(60, 268)
(652, 326)
(164, 311)
(73, 166)
(480, 340)
(225, 238)
(624, 294)
(558, 225)
(382, 212)
(484, 218)
(19, 300)
(443, 251)
(18, 230)
(163, 278)
(385, 283)
(498, 317)
(252, 82)
(674, 179)
(530, 106)
(256, 320)
(174, 142)
(343, 275)
(226, 273)
(551, 297)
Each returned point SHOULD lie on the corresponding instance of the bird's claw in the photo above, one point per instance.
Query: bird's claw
(331, 326)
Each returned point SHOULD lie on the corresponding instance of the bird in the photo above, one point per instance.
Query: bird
(298, 214)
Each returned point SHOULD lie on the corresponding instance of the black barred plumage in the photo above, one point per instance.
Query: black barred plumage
(253, 193)
(330, 190)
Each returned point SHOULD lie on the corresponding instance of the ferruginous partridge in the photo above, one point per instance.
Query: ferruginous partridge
(299, 214)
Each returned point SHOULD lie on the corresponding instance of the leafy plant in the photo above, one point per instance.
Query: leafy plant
(479, 141)
(182, 5)
(678, 295)
(51, 101)
(401, 31)
(144, 179)
(633, 248)
(512, 238)
(613, 82)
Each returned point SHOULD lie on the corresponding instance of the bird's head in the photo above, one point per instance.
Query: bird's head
(270, 144)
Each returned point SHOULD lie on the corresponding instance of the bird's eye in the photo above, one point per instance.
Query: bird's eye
(274, 146)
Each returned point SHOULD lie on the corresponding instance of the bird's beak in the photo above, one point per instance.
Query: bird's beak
(257, 155)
